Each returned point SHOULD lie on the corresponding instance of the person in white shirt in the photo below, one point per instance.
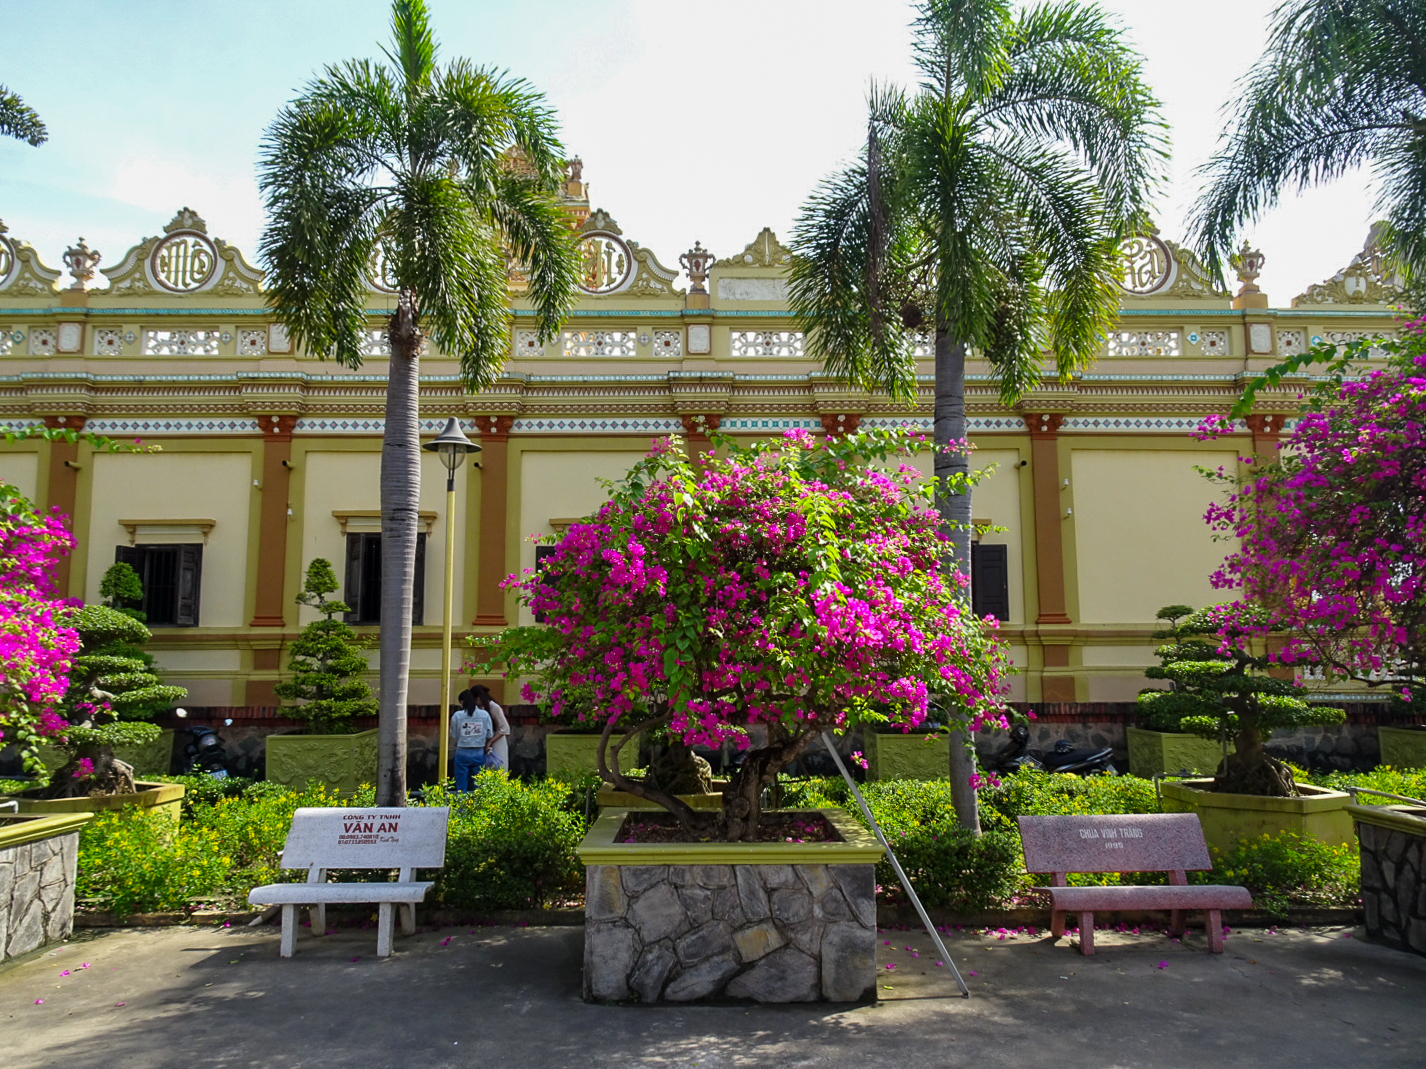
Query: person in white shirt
(497, 751)
(471, 731)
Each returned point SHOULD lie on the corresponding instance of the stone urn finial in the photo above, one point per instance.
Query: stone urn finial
(81, 261)
(696, 261)
(1248, 263)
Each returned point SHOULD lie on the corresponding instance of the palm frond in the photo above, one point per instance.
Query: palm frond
(19, 120)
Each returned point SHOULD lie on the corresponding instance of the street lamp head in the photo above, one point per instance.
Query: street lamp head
(452, 444)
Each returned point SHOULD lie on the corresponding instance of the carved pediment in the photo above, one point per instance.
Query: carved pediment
(21, 273)
(763, 251)
(182, 262)
(1368, 279)
(1153, 266)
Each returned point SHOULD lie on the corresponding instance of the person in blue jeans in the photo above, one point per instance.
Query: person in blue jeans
(470, 735)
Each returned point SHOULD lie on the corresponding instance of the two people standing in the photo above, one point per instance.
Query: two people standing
(479, 736)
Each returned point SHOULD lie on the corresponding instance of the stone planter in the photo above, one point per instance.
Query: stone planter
(1403, 747)
(162, 799)
(342, 762)
(893, 755)
(147, 758)
(1158, 752)
(37, 873)
(567, 754)
(766, 922)
(610, 798)
(1393, 842)
(1228, 819)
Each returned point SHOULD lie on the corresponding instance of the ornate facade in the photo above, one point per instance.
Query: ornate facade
(270, 457)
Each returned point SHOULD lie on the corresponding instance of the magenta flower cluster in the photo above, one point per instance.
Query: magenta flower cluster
(37, 648)
(1332, 537)
(784, 588)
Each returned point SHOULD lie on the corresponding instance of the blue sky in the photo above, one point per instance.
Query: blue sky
(705, 121)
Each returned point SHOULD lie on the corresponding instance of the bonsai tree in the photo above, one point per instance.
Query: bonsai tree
(326, 689)
(762, 597)
(121, 589)
(37, 642)
(1220, 687)
(113, 693)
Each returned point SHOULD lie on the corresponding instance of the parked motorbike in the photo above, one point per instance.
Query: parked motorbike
(1062, 758)
(204, 754)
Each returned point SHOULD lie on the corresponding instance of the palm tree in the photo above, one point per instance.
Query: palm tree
(985, 211)
(1342, 84)
(18, 119)
(442, 171)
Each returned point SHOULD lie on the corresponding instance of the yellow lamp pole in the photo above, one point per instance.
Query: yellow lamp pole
(453, 446)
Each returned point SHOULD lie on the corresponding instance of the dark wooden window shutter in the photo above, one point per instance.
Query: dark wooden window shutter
(990, 581)
(353, 591)
(418, 591)
(542, 554)
(190, 576)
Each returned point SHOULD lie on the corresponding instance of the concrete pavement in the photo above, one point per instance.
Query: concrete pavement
(179, 998)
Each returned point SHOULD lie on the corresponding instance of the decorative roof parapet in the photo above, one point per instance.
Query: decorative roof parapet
(184, 262)
(763, 251)
(1368, 279)
(21, 273)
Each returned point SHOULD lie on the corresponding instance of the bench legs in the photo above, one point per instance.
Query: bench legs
(1214, 926)
(1177, 921)
(1057, 923)
(1086, 934)
(383, 930)
(318, 917)
(289, 931)
(408, 918)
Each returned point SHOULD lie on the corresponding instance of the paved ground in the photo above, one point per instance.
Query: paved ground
(179, 998)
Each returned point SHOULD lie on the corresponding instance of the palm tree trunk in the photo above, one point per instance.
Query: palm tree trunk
(950, 427)
(400, 505)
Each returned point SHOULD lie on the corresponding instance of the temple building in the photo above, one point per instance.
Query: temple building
(270, 457)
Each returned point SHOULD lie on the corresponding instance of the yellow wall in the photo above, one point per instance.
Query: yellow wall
(214, 485)
(20, 470)
(1140, 539)
(560, 485)
(350, 481)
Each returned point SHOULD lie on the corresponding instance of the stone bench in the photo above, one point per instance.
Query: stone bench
(329, 838)
(1141, 842)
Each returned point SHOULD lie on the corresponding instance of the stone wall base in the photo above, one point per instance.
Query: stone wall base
(764, 933)
(1394, 886)
(37, 893)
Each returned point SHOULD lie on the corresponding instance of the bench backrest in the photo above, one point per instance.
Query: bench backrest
(1138, 842)
(333, 838)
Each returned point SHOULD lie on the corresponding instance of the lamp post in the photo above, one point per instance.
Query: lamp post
(452, 445)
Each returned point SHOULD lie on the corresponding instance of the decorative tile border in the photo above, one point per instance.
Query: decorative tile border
(974, 424)
(1139, 425)
(763, 423)
(20, 424)
(534, 425)
(157, 427)
(366, 426)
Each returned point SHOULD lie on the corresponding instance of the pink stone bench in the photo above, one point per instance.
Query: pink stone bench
(1141, 842)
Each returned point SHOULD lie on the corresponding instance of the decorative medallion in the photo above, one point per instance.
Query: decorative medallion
(1145, 264)
(8, 260)
(183, 262)
(605, 262)
(379, 275)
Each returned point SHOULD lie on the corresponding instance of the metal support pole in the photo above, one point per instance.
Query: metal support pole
(891, 856)
(446, 624)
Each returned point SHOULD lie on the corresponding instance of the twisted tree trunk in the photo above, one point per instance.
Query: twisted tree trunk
(950, 427)
(400, 505)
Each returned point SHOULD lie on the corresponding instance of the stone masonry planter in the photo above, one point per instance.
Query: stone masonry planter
(1228, 819)
(342, 762)
(1158, 752)
(37, 873)
(1393, 841)
(766, 922)
(163, 799)
(574, 755)
(1403, 747)
(893, 755)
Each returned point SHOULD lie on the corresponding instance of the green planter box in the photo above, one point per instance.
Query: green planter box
(1228, 819)
(148, 758)
(897, 756)
(163, 799)
(1158, 752)
(574, 755)
(341, 762)
(608, 797)
(1402, 747)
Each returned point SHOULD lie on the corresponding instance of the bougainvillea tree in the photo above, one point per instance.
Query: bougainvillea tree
(759, 598)
(1333, 534)
(37, 643)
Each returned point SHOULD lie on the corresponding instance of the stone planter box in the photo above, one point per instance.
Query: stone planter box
(893, 755)
(1403, 747)
(1158, 752)
(147, 758)
(610, 798)
(575, 755)
(162, 799)
(1393, 842)
(37, 873)
(342, 762)
(1228, 819)
(765, 922)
